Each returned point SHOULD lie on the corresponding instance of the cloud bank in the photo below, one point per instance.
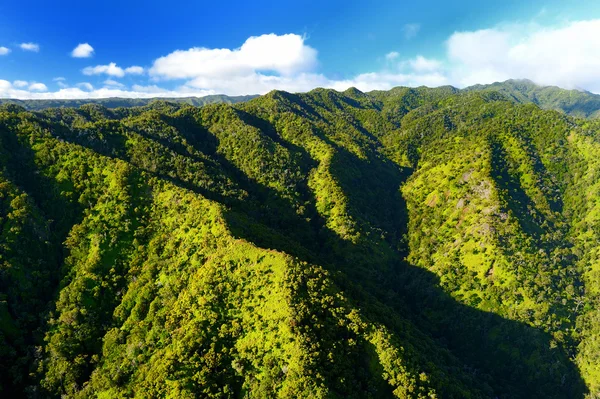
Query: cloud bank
(112, 70)
(85, 90)
(568, 56)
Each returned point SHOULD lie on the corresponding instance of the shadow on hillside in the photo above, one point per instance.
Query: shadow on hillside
(523, 207)
(28, 296)
(499, 357)
(502, 358)
(50, 197)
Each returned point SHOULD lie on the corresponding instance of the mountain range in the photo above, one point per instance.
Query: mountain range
(410, 243)
(579, 103)
(37, 105)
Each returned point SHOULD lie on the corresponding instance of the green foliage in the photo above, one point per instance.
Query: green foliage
(415, 243)
(582, 104)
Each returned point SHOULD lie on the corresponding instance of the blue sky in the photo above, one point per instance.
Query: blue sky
(148, 48)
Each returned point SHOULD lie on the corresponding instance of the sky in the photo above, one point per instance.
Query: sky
(98, 49)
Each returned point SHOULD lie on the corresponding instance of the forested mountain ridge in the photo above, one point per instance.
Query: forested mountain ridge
(579, 103)
(582, 104)
(116, 102)
(411, 243)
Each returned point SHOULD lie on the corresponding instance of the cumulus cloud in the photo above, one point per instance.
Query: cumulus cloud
(114, 83)
(386, 80)
(261, 64)
(112, 70)
(31, 86)
(257, 83)
(284, 62)
(60, 81)
(30, 47)
(285, 55)
(4, 50)
(37, 87)
(20, 83)
(86, 86)
(422, 64)
(149, 89)
(566, 56)
(83, 50)
(134, 70)
(7, 90)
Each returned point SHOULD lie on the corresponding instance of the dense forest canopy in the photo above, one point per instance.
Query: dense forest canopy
(411, 243)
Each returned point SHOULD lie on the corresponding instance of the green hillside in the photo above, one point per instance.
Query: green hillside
(579, 103)
(415, 243)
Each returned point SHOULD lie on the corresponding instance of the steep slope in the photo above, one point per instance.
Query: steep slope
(411, 243)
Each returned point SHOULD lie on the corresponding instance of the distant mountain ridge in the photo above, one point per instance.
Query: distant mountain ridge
(118, 102)
(582, 104)
(578, 103)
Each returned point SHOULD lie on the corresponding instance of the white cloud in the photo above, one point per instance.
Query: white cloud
(60, 81)
(85, 85)
(5, 85)
(285, 55)
(7, 90)
(257, 83)
(567, 56)
(261, 64)
(386, 80)
(284, 62)
(149, 89)
(38, 87)
(112, 70)
(83, 50)
(134, 70)
(114, 83)
(20, 83)
(411, 30)
(31, 86)
(4, 50)
(422, 64)
(30, 47)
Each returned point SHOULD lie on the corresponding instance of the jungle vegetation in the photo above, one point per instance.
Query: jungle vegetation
(411, 243)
